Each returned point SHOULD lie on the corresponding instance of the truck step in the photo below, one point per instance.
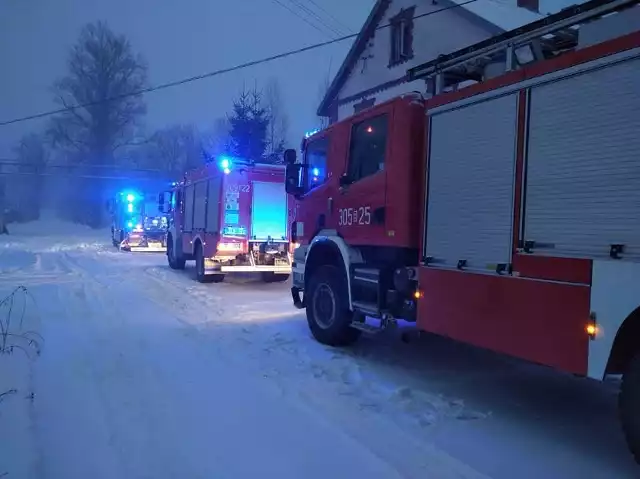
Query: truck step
(367, 275)
(366, 328)
(368, 309)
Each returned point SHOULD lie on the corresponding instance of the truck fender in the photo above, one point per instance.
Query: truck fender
(331, 239)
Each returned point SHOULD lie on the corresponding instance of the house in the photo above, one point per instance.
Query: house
(401, 34)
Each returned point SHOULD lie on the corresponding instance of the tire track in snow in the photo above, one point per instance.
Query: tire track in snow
(288, 353)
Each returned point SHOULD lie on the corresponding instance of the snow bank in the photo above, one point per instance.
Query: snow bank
(50, 234)
(19, 347)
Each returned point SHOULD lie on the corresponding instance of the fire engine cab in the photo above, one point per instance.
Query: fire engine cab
(230, 216)
(504, 213)
(136, 223)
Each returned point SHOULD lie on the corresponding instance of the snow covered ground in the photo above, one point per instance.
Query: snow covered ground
(145, 373)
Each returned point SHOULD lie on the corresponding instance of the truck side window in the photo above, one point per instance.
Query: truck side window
(368, 145)
(316, 159)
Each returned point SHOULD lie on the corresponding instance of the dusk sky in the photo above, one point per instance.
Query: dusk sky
(178, 39)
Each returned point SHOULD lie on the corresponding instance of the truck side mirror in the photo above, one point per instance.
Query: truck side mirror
(292, 179)
(164, 202)
(289, 156)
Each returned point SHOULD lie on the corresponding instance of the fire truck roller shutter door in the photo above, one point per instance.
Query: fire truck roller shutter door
(471, 184)
(269, 211)
(200, 205)
(188, 208)
(213, 204)
(583, 172)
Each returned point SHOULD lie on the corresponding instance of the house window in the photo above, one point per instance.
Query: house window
(401, 27)
(368, 146)
(316, 159)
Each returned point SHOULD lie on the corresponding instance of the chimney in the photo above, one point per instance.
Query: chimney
(533, 5)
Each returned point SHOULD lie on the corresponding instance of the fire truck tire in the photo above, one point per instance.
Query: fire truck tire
(175, 261)
(201, 277)
(629, 400)
(327, 309)
(270, 277)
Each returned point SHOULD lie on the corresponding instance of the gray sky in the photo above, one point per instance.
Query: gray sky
(178, 39)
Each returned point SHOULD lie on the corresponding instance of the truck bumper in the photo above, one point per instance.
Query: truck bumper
(149, 249)
(213, 267)
(151, 243)
(255, 269)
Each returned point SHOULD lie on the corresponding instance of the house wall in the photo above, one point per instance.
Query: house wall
(442, 32)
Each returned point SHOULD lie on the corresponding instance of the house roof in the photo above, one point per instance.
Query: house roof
(492, 15)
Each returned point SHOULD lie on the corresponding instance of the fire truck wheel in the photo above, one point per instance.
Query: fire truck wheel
(328, 311)
(628, 404)
(200, 276)
(174, 261)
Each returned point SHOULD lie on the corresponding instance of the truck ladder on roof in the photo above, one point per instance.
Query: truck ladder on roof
(549, 35)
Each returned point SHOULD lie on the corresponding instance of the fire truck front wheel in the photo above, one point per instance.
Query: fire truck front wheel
(629, 401)
(328, 311)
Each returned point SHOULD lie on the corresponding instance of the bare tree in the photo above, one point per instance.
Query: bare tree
(175, 149)
(25, 189)
(278, 127)
(103, 78)
(103, 104)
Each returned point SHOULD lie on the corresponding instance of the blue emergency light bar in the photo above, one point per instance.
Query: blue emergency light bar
(225, 164)
(311, 133)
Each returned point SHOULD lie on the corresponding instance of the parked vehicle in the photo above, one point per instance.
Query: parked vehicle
(136, 222)
(230, 216)
(503, 214)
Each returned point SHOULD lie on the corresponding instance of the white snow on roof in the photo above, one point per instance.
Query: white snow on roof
(503, 13)
(507, 15)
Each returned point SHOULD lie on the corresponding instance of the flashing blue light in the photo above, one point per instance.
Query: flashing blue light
(130, 208)
(225, 164)
(130, 224)
(226, 171)
(311, 133)
(131, 197)
(316, 172)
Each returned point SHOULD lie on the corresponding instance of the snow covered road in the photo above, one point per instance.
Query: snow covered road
(145, 373)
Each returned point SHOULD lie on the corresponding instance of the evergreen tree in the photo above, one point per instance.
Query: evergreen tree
(249, 121)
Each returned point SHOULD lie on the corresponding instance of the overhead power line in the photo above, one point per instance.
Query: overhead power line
(222, 71)
(318, 18)
(301, 17)
(329, 14)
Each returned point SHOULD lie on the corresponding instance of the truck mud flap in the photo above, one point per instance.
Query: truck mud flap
(297, 301)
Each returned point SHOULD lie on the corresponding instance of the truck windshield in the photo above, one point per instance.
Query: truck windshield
(316, 160)
(151, 209)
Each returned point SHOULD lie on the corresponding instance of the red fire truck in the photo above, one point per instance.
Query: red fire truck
(505, 214)
(230, 216)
